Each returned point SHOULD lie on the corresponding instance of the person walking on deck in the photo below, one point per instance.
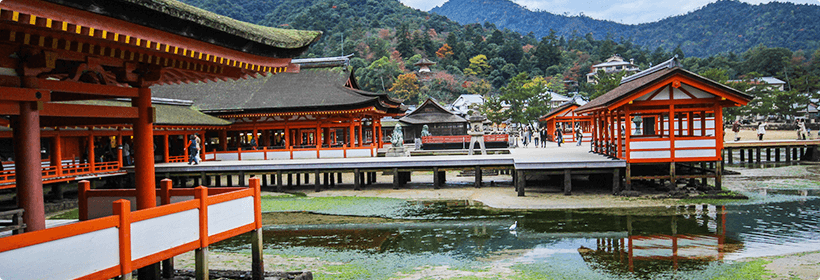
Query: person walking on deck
(736, 129)
(559, 135)
(579, 133)
(761, 130)
(193, 150)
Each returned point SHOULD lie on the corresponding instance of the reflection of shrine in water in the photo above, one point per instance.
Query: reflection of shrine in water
(650, 245)
(639, 242)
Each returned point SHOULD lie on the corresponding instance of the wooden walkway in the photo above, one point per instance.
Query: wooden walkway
(754, 151)
(567, 160)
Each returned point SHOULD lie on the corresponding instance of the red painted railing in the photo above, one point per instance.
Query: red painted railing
(66, 172)
(127, 240)
(463, 138)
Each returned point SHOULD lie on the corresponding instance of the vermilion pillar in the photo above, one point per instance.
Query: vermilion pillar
(57, 154)
(144, 150)
(27, 166)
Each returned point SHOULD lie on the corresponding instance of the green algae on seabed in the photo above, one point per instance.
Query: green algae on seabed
(716, 271)
(364, 264)
(72, 214)
(350, 206)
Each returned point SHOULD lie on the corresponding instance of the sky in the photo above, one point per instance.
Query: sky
(621, 11)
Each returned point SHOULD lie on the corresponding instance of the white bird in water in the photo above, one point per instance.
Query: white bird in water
(514, 226)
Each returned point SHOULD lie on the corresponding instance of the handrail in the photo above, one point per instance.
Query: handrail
(122, 242)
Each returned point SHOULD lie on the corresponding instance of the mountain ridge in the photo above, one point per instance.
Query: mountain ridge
(719, 27)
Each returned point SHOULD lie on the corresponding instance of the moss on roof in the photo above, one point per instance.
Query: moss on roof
(277, 37)
(166, 114)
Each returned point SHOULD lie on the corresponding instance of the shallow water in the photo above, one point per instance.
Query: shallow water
(669, 242)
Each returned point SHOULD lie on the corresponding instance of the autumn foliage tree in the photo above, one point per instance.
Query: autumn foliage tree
(406, 87)
(445, 51)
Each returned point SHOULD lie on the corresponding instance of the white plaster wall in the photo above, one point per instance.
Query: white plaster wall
(162, 233)
(649, 154)
(230, 214)
(61, 259)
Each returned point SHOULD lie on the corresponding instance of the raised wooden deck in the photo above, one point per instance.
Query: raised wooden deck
(566, 160)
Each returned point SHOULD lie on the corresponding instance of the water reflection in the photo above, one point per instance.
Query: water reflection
(627, 242)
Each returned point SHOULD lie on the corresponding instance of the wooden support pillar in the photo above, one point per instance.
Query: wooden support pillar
(317, 185)
(396, 179)
(339, 177)
(229, 178)
(776, 154)
(672, 176)
(327, 178)
(290, 180)
(757, 153)
(279, 186)
(705, 173)
(520, 182)
(751, 155)
(357, 180)
(567, 182)
(788, 154)
(201, 259)
(29, 178)
(218, 180)
(628, 177)
(332, 177)
(729, 155)
(794, 154)
(197, 182)
(719, 175)
(307, 178)
(478, 176)
(436, 178)
(742, 156)
(264, 181)
(257, 256)
(768, 154)
(616, 180)
(298, 179)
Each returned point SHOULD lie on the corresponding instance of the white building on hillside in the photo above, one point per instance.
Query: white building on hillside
(613, 64)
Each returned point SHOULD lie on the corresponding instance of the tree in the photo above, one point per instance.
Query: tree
(445, 51)
(606, 82)
(406, 88)
(525, 97)
(478, 66)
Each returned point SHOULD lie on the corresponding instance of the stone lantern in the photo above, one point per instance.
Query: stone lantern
(477, 132)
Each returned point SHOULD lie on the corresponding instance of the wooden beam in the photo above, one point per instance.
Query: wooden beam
(24, 94)
(81, 88)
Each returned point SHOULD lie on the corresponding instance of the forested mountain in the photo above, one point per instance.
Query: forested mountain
(387, 38)
(723, 26)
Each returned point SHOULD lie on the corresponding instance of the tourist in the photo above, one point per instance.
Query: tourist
(801, 130)
(537, 137)
(736, 129)
(193, 150)
(559, 135)
(126, 153)
(526, 138)
(544, 137)
(761, 130)
(579, 133)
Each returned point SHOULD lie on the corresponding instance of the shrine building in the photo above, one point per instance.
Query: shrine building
(666, 122)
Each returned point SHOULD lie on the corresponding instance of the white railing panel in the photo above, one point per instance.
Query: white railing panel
(279, 155)
(304, 154)
(253, 155)
(176, 229)
(696, 153)
(360, 153)
(227, 156)
(66, 258)
(650, 154)
(700, 143)
(332, 153)
(210, 157)
(230, 215)
(664, 144)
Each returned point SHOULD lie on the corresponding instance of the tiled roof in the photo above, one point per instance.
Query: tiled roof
(309, 90)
